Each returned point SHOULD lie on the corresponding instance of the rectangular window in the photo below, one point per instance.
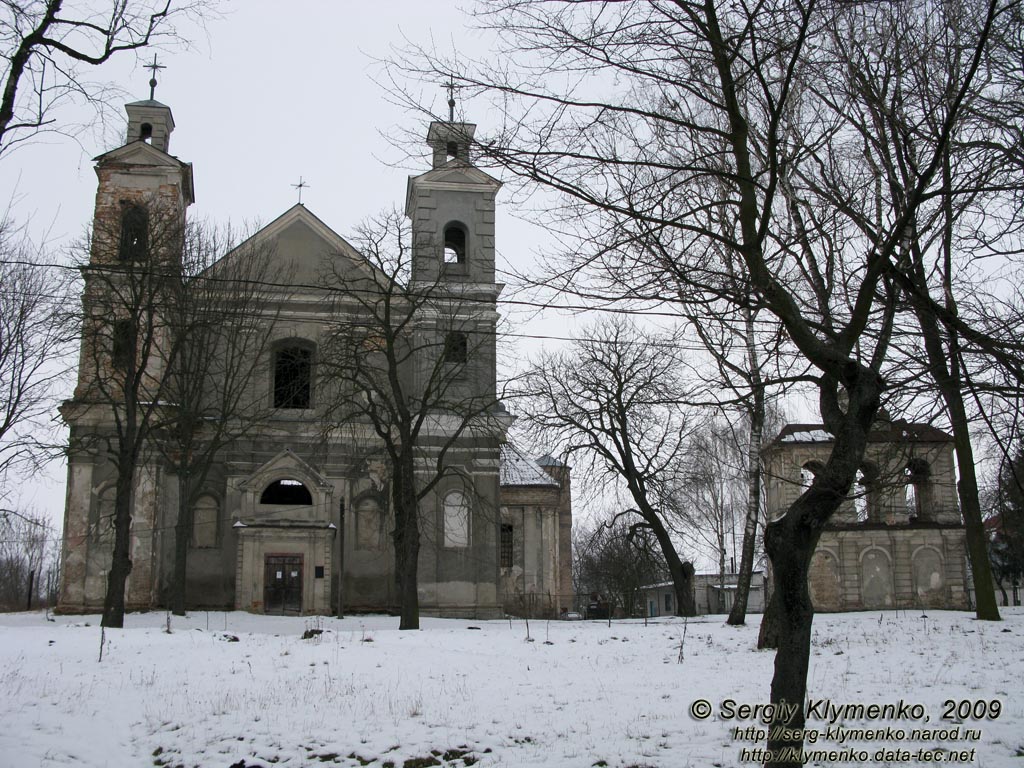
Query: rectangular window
(456, 347)
(506, 545)
(293, 377)
(668, 603)
(123, 345)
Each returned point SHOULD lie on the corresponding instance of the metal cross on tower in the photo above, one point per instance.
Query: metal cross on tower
(450, 87)
(300, 186)
(152, 80)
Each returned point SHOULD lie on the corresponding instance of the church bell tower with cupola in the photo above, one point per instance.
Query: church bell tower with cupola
(451, 207)
(136, 246)
(452, 210)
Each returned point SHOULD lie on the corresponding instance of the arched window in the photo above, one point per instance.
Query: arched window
(146, 132)
(369, 524)
(204, 523)
(290, 492)
(456, 347)
(452, 150)
(918, 475)
(456, 520)
(293, 377)
(134, 233)
(454, 244)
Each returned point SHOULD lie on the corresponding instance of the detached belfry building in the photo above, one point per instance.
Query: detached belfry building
(291, 521)
(898, 540)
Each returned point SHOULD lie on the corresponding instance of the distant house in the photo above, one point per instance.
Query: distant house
(712, 594)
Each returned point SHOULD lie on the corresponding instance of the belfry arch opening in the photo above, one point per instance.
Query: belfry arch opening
(866, 488)
(454, 244)
(917, 477)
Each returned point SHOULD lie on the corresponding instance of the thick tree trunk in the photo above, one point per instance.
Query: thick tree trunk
(790, 543)
(182, 533)
(408, 586)
(947, 377)
(680, 571)
(791, 548)
(986, 607)
(121, 564)
(768, 634)
(407, 544)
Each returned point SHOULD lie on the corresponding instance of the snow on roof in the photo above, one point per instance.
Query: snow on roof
(883, 430)
(806, 436)
(516, 468)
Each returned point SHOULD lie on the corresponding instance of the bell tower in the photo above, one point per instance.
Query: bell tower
(135, 249)
(151, 122)
(451, 207)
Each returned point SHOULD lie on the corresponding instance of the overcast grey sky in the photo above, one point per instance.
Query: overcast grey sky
(270, 92)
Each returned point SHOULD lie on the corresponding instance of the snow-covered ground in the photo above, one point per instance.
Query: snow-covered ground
(462, 693)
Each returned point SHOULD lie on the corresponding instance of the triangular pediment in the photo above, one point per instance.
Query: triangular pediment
(456, 171)
(288, 465)
(140, 153)
(302, 251)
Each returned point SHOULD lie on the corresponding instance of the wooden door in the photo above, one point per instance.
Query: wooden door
(282, 584)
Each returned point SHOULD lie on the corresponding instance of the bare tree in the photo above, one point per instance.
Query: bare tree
(127, 349)
(613, 401)
(717, 118)
(220, 316)
(46, 44)
(34, 331)
(408, 376)
(617, 561)
(901, 120)
(708, 493)
(1006, 522)
(24, 548)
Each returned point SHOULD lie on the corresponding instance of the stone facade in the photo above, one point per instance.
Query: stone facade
(898, 540)
(535, 538)
(290, 520)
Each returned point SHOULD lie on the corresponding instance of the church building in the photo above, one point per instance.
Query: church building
(293, 518)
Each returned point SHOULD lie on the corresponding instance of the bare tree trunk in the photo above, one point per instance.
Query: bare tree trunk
(121, 564)
(31, 588)
(182, 533)
(681, 573)
(947, 379)
(341, 564)
(407, 544)
(791, 549)
(738, 614)
(408, 589)
(768, 634)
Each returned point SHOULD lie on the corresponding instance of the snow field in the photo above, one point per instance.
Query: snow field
(576, 694)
